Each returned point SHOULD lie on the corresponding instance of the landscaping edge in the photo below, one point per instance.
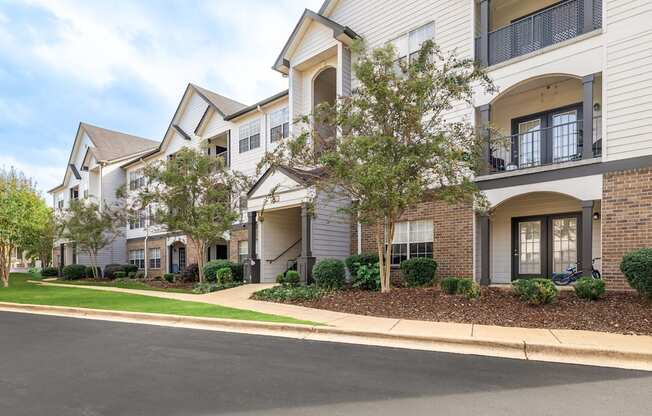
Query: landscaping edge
(574, 354)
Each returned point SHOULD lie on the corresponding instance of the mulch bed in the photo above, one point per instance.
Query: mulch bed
(154, 283)
(624, 313)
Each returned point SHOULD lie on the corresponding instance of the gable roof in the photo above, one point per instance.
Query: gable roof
(302, 177)
(221, 103)
(341, 33)
(253, 107)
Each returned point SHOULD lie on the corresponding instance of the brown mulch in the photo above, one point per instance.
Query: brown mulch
(624, 313)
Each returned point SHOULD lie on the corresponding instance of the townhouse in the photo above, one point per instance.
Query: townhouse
(568, 142)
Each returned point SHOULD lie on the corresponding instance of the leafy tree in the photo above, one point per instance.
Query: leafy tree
(395, 147)
(23, 214)
(92, 227)
(40, 247)
(193, 193)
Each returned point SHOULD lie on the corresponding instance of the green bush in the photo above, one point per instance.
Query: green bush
(140, 275)
(120, 275)
(49, 272)
(190, 273)
(238, 271)
(89, 272)
(289, 293)
(201, 288)
(131, 275)
(637, 268)
(355, 261)
(128, 268)
(468, 288)
(73, 272)
(289, 278)
(367, 277)
(211, 268)
(224, 276)
(589, 288)
(110, 269)
(169, 277)
(329, 274)
(536, 291)
(449, 285)
(419, 271)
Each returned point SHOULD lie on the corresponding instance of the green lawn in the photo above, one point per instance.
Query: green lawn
(20, 291)
(135, 284)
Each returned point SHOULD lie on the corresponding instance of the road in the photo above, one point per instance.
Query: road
(65, 366)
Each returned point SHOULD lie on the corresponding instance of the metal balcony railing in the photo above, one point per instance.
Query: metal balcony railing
(556, 144)
(555, 24)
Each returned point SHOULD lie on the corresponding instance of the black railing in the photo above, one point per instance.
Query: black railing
(284, 252)
(556, 144)
(550, 26)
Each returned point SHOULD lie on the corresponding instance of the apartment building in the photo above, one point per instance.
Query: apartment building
(94, 172)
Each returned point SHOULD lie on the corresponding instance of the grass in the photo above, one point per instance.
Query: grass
(21, 291)
(135, 284)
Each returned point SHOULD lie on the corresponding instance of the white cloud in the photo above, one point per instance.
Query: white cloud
(47, 174)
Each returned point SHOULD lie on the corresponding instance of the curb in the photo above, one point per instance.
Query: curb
(574, 354)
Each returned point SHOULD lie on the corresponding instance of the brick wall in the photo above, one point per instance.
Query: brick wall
(137, 244)
(626, 220)
(452, 240)
(236, 236)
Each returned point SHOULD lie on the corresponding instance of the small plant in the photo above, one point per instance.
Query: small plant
(211, 268)
(589, 288)
(120, 275)
(637, 268)
(110, 269)
(140, 275)
(367, 277)
(74, 272)
(89, 272)
(49, 272)
(289, 293)
(536, 291)
(168, 277)
(201, 288)
(419, 271)
(224, 276)
(292, 278)
(128, 268)
(355, 261)
(329, 274)
(132, 275)
(190, 273)
(449, 285)
(468, 288)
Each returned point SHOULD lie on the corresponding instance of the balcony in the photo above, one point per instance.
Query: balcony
(535, 30)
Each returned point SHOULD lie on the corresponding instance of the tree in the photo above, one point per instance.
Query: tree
(91, 227)
(195, 194)
(23, 214)
(394, 145)
(40, 247)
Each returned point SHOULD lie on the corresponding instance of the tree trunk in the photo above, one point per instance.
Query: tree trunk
(384, 254)
(200, 246)
(5, 263)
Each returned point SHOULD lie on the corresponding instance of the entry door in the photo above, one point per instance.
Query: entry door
(182, 258)
(565, 137)
(529, 247)
(529, 142)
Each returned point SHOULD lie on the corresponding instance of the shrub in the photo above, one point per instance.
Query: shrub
(289, 293)
(128, 268)
(468, 288)
(190, 273)
(589, 288)
(449, 285)
(131, 275)
(224, 276)
(637, 268)
(49, 272)
(536, 291)
(419, 271)
(329, 274)
(89, 272)
(289, 278)
(74, 272)
(211, 268)
(120, 275)
(169, 277)
(110, 269)
(140, 275)
(355, 261)
(201, 288)
(238, 271)
(367, 277)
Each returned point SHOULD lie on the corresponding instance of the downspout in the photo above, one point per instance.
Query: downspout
(264, 125)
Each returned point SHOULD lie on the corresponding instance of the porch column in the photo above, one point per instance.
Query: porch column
(306, 261)
(252, 265)
(485, 10)
(485, 271)
(587, 116)
(587, 237)
(587, 23)
(485, 133)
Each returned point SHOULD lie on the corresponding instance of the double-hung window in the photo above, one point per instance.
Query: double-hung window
(243, 250)
(155, 258)
(137, 219)
(249, 136)
(407, 47)
(137, 258)
(280, 124)
(136, 179)
(412, 239)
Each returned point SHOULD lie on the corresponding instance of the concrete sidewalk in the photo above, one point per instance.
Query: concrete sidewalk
(538, 344)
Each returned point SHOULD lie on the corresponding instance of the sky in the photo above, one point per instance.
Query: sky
(123, 65)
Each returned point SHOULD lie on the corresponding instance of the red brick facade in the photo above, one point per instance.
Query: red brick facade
(626, 220)
(139, 244)
(236, 237)
(453, 236)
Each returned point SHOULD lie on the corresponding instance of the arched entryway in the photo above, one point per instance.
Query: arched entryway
(324, 88)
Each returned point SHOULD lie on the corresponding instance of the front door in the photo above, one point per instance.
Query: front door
(182, 258)
(545, 244)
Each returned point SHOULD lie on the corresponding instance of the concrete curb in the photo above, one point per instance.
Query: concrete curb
(568, 353)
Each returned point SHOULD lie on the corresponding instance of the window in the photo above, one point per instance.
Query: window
(85, 193)
(74, 193)
(155, 258)
(137, 220)
(249, 136)
(409, 44)
(243, 251)
(136, 179)
(412, 239)
(137, 258)
(60, 204)
(280, 125)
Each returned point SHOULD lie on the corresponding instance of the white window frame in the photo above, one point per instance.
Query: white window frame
(279, 120)
(137, 258)
(154, 258)
(410, 236)
(138, 219)
(136, 179)
(243, 250)
(407, 45)
(247, 132)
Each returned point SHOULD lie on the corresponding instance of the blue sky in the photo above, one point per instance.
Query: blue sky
(123, 65)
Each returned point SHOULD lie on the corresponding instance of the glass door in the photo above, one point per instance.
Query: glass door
(565, 140)
(564, 243)
(528, 248)
(529, 143)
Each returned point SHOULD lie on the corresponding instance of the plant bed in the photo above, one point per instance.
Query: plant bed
(624, 313)
(139, 284)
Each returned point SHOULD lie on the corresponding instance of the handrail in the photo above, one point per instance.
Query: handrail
(535, 15)
(284, 251)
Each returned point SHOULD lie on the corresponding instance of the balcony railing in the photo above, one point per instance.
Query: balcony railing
(539, 30)
(556, 144)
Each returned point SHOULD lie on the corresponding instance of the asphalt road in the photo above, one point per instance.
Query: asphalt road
(65, 366)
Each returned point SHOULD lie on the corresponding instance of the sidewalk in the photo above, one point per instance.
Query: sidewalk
(581, 347)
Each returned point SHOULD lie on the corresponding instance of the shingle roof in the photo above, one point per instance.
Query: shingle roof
(111, 145)
(224, 104)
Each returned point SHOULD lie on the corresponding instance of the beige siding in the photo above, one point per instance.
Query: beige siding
(193, 113)
(316, 39)
(279, 230)
(331, 228)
